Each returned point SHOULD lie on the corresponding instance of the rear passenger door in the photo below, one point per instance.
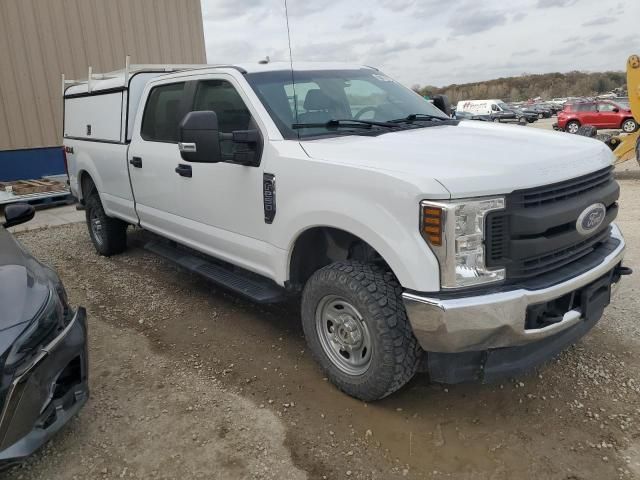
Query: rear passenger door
(589, 114)
(153, 156)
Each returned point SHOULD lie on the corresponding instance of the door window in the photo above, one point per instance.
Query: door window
(162, 113)
(605, 107)
(221, 97)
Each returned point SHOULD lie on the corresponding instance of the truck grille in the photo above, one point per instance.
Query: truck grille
(536, 235)
(536, 197)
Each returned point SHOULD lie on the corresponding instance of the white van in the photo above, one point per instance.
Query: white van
(482, 107)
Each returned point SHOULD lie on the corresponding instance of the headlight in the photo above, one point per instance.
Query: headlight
(44, 327)
(455, 231)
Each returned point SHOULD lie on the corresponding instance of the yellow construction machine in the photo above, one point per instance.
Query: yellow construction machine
(628, 146)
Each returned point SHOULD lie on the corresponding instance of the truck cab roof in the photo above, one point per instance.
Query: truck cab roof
(119, 78)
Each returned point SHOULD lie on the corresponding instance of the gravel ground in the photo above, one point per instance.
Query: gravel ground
(190, 382)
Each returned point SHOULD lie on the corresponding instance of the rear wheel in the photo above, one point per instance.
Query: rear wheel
(357, 329)
(108, 235)
(572, 126)
(496, 119)
(629, 125)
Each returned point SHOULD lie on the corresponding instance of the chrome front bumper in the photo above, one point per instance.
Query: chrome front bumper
(495, 320)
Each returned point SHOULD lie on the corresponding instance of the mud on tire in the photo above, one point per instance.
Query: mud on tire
(374, 293)
(108, 235)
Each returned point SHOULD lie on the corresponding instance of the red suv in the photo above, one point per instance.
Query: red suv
(600, 114)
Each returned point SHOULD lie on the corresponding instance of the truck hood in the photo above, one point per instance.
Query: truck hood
(470, 159)
(25, 284)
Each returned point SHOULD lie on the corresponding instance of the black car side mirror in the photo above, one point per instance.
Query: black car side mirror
(616, 110)
(199, 137)
(442, 102)
(17, 213)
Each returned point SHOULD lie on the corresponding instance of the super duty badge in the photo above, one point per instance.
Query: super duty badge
(269, 196)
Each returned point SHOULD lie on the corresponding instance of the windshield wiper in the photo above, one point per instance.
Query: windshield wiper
(344, 122)
(418, 117)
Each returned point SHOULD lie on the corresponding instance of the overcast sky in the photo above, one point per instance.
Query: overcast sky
(436, 42)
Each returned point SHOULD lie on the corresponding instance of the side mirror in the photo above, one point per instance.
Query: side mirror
(442, 102)
(199, 137)
(17, 213)
(615, 109)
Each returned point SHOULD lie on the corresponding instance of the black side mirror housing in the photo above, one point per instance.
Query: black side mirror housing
(199, 137)
(17, 213)
(442, 102)
(616, 109)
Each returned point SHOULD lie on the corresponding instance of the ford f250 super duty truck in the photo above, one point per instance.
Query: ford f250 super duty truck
(467, 249)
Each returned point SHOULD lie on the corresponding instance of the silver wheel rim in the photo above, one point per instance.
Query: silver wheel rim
(628, 126)
(573, 128)
(96, 226)
(344, 335)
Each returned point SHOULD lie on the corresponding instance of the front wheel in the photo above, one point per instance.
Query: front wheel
(629, 125)
(357, 329)
(108, 235)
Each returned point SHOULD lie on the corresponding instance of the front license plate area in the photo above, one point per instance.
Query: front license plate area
(595, 297)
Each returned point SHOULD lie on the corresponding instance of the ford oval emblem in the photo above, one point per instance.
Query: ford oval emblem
(591, 218)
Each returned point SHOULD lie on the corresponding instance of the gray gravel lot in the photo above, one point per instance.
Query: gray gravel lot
(190, 382)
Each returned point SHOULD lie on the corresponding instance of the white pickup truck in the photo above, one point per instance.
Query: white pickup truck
(466, 249)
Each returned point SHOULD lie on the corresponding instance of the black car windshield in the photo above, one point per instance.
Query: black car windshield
(325, 95)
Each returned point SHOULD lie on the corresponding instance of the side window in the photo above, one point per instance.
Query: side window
(605, 107)
(221, 97)
(162, 113)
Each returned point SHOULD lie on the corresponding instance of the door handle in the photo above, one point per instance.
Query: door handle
(184, 170)
(136, 162)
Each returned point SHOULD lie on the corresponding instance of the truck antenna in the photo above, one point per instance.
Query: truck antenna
(293, 80)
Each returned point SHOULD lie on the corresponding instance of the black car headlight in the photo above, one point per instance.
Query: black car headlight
(46, 325)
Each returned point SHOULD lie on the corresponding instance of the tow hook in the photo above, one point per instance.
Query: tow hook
(621, 271)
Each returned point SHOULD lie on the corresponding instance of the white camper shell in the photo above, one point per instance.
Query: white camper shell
(103, 107)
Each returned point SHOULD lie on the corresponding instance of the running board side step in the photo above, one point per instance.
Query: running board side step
(247, 284)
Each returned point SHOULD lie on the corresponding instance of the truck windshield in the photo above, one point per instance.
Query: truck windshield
(324, 96)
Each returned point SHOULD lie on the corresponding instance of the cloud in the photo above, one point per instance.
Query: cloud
(600, 37)
(389, 48)
(358, 20)
(525, 52)
(223, 9)
(572, 48)
(442, 58)
(554, 3)
(475, 21)
(516, 17)
(599, 21)
(427, 43)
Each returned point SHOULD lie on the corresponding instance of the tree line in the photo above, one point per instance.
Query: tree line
(526, 86)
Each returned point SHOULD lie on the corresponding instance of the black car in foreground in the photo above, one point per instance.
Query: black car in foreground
(43, 348)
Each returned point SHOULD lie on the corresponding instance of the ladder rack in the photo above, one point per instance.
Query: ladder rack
(126, 73)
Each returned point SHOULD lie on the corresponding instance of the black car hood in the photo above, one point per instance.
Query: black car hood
(25, 283)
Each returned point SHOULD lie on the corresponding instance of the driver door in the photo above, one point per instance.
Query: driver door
(221, 204)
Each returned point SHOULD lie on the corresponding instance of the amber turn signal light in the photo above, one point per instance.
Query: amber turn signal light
(432, 225)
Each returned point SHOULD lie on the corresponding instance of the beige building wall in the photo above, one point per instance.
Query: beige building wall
(41, 39)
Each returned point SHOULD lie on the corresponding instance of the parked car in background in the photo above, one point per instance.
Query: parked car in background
(538, 110)
(496, 109)
(43, 348)
(529, 117)
(600, 114)
(472, 116)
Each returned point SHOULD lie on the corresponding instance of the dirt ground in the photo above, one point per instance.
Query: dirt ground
(190, 382)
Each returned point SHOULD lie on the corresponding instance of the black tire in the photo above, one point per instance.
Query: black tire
(108, 235)
(572, 126)
(375, 294)
(629, 125)
(495, 119)
(522, 121)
